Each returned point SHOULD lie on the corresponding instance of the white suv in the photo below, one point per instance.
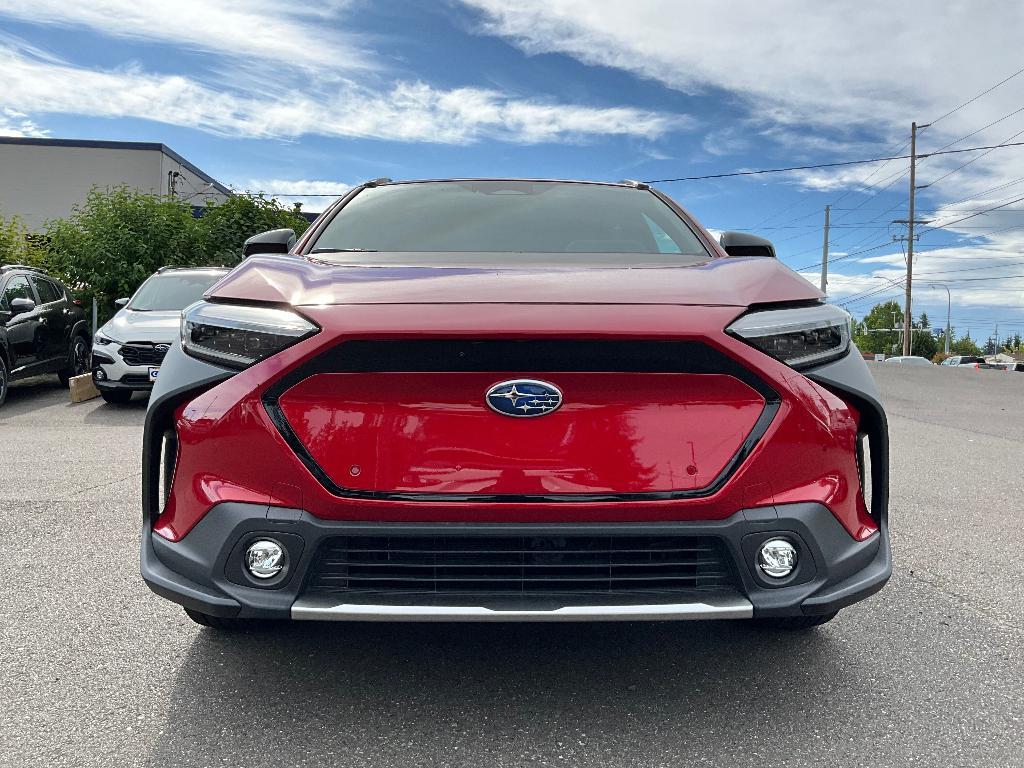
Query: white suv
(128, 350)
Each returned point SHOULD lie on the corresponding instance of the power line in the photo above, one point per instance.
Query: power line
(971, 216)
(972, 160)
(789, 169)
(975, 98)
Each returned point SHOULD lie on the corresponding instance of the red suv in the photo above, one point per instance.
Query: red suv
(511, 400)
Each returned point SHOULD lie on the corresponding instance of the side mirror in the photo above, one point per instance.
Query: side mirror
(19, 306)
(121, 303)
(745, 244)
(274, 241)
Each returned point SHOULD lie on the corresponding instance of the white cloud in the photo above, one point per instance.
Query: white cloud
(313, 194)
(14, 123)
(811, 76)
(258, 30)
(406, 112)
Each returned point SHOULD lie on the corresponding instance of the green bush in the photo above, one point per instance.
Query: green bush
(225, 227)
(116, 239)
(119, 237)
(17, 246)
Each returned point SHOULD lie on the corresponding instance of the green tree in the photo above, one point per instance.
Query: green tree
(965, 345)
(224, 228)
(116, 239)
(867, 335)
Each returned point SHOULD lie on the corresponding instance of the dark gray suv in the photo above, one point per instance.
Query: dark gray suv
(42, 328)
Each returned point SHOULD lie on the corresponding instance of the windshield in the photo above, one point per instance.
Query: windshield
(172, 292)
(578, 222)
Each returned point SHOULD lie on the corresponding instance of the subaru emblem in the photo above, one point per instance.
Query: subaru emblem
(524, 398)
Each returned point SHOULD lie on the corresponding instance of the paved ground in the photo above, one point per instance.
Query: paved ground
(97, 671)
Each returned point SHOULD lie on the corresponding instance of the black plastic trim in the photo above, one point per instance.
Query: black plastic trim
(200, 567)
(554, 355)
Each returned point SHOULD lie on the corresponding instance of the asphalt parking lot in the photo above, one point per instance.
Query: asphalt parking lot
(96, 670)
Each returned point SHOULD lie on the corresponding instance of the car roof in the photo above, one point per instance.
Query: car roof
(626, 183)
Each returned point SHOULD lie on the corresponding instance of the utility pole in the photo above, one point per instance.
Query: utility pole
(910, 222)
(907, 319)
(824, 254)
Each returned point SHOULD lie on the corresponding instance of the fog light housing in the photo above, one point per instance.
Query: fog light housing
(777, 558)
(265, 559)
(99, 374)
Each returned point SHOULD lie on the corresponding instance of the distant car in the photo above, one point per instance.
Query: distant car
(42, 328)
(1018, 367)
(964, 360)
(909, 360)
(129, 348)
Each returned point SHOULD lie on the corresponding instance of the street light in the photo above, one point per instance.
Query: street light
(949, 304)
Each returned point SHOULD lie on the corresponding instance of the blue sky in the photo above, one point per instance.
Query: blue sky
(286, 101)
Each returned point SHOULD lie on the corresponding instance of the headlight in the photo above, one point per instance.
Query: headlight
(239, 335)
(102, 340)
(798, 337)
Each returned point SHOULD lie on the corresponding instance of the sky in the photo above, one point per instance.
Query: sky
(291, 101)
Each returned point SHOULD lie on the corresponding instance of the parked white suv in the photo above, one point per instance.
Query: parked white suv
(128, 350)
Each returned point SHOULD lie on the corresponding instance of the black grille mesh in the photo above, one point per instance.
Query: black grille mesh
(519, 564)
(143, 354)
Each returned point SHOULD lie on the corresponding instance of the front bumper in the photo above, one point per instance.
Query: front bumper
(202, 571)
(198, 565)
(116, 373)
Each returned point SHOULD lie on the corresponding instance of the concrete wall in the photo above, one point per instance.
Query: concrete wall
(40, 182)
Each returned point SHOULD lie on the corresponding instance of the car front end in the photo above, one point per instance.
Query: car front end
(129, 349)
(130, 366)
(426, 441)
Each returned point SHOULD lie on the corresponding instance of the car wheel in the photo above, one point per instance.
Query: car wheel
(224, 624)
(794, 623)
(116, 396)
(3, 381)
(78, 360)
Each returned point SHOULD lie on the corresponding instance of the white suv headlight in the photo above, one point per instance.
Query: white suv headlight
(239, 335)
(800, 337)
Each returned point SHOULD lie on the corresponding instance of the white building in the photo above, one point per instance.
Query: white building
(44, 179)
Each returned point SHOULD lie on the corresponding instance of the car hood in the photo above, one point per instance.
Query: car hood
(722, 281)
(130, 325)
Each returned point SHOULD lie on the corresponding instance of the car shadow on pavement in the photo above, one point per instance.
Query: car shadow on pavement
(426, 693)
(29, 394)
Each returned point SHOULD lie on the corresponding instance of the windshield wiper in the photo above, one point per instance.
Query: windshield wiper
(344, 250)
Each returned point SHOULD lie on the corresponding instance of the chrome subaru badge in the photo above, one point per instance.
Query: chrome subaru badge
(524, 397)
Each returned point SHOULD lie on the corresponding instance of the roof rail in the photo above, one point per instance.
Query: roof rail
(11, 267)
(169, 267)
(377, 182)
(635, 184)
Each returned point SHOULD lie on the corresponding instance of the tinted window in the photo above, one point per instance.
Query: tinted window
(47, 291)
(17, 288)
(171, 292)
(628, 225)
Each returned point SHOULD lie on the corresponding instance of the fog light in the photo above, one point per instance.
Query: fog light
(98, 374)
(265, 559)
(777, 558)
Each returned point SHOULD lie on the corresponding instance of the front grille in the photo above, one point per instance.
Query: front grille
(519, 564)
(138, 353)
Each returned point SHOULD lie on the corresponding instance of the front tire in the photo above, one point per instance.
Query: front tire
(78, 360)
(224, 624)
(116, 396)
(793, 623)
